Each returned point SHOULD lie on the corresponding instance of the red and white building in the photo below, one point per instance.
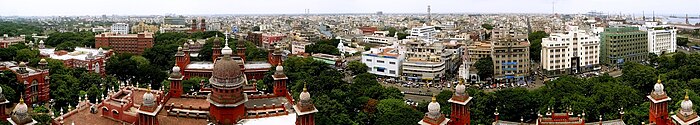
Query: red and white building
(91, 59)
(35, 80)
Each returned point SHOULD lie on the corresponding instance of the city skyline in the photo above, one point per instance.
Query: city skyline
(209, 7)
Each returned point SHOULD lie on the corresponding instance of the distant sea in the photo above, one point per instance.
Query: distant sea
(682, 20)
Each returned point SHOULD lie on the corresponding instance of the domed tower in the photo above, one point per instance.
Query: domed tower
(276, 56)
(43, 63)
(686, 115)
(460, 105)
(175, 83)
(3, 103)
(433, 116)
(227, 98)
(149, 109)
(20, 116)
(216, 49)
(280, 86)
(186, 50)
(194, 25)
(658, 110)
(180, 58)
(305, 109)
(41, 44)
(203, 25)
(240, 49)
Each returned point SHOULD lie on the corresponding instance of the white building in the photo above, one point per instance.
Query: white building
(384, 61)
(377, 39)
(425, 33)
(299, 47)
(573, 51)
(120, 28)
(661, 38)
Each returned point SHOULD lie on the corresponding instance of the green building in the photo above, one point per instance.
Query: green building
(623, 44)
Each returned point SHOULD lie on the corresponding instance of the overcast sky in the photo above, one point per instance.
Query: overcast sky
(189, 7)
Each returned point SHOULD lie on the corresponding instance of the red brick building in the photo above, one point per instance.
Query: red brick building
(255, 37)
(91, 59)
(125, 43)
(36, 80)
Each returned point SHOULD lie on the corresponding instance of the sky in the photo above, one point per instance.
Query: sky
(199, 7)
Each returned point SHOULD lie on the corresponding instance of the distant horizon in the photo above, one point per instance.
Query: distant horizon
(43, 8)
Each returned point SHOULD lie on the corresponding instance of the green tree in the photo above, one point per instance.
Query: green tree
(639, 76)
(536, 44)
(396, 112)
(25, 55)
(357, 67)
(67, 46)
(484, 66)
(487, 26)
(680, 41)
(140, 60)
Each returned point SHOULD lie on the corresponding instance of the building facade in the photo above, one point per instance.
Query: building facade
(35, 80)
(510, 55)
(623, 44)
(142, 27)
(573, 51)
(7, 41)
(424, 61)
(120, 28)
(661, 38)
(424, 32)
(125, 43)
(384, 61)
(93, 60)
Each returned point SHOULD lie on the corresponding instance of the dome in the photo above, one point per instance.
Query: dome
(175, 72)
(42, 61)
(179, 48)
(305, 96)
(0, 90)
(460, 88)
(100, 51)
(20, 109)
(227, 70)
(226, 50)
(434, 107)
(687, 105)
(659, 88)
(41, 41)
(148, 98)
(279, 68)
(22, 64)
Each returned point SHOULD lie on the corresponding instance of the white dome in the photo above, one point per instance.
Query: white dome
(176, 69)
(21, 108)
(433, 107)
(148, 99)
(460, 89)
(279, 68)
(659, 88)
(304, 96)
(41, 41)
(226, 51)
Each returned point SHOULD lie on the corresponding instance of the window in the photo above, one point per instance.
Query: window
(392, 62)
(392, 72)
(369, 60)
(380, 61)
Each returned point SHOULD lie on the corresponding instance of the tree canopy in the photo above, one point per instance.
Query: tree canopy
(484, 66)
(536, 44)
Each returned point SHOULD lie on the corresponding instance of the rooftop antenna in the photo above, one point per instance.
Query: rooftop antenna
(429, 15)
(644, 18)
(653, 16)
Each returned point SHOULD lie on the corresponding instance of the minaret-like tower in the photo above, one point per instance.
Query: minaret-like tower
(180, 58)
(305, 109)
(280, 87)
(42, 64)
(240, 49)
(460, 105)
(149, 109)
(20, 116)
(658, 110)
(216, 49)
(430, 18)
(203, 25)
(186, 50)
(194, 25)
(227, 99)
(175, 83)
(41, 44)
(276, 56)
(686, 115)
(433, 116)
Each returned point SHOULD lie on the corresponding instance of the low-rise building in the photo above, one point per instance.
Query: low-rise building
(142, 27)
(91, 59)
(570, 52)
(7, 41)
(661, 38)
(299, 47)
(424, 61)
(125, 43)
(35, 80)
(384, 61)
(379, 39)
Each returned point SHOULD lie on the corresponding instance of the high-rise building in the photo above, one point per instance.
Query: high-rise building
(120, 28)
(174, 21)
(511, 55)
(623, 44)
(661, 38)
(572, 51)
(125, 43)
(425, 61)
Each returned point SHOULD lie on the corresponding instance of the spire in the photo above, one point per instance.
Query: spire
(658, 80)
(434, 99)
(21, 98)
(686, 95)
(305, 90)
